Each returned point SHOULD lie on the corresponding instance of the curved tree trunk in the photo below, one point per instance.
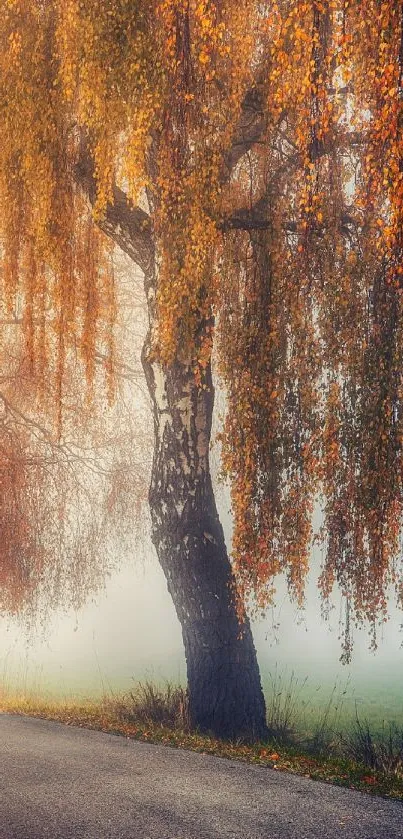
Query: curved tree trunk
(225, 694)
(223, 675)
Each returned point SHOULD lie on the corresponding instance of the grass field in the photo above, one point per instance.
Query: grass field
(306, 694)
(341, 700)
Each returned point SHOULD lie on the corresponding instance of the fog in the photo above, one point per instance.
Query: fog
(130, 632)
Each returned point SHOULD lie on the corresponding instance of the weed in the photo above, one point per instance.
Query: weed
(324, 737)
(282, 705)
(149, 703)
(381, 752)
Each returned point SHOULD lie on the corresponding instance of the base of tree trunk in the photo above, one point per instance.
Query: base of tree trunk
(225, 693)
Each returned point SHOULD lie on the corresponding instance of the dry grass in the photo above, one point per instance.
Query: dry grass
(380, 752)
(151, 704)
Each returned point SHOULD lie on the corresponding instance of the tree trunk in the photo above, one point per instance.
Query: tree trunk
(223, 676)
(225, 694)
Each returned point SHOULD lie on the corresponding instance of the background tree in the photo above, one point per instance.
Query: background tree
(248, 158)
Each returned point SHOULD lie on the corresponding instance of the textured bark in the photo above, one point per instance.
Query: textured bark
(225, 694)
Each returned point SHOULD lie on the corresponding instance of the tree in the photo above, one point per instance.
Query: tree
(248, 158)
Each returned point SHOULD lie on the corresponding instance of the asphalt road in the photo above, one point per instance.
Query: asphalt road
(70, 783)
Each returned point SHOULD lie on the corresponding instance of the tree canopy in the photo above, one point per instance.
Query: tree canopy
(257, 148)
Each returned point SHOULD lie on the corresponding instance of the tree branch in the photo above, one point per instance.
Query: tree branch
(253, 122)
(130, 227)
(251, 126)
(257, 217)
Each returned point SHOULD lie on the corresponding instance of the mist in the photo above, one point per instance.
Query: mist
(130, 633)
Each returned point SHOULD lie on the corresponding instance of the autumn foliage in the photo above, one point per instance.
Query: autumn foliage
(289, 247)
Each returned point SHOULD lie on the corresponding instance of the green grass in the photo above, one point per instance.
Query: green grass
(301, 742)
